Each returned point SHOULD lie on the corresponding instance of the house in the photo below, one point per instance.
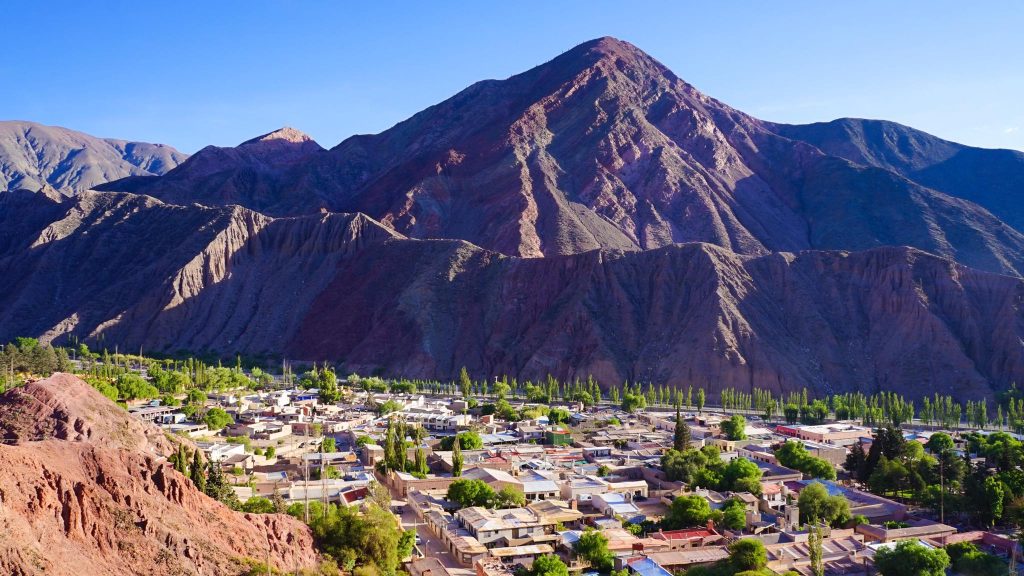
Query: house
(521, 555)
(582, 488)
(692, 538)
(836, 433)
(616, 506)
(539, 485)
(684, 559)
(426, 566)
(645, 566)
(503, 528)
(496, 479)
(557, 437)
(910, 530)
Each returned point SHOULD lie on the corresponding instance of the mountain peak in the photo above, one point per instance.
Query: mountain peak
(285, 134)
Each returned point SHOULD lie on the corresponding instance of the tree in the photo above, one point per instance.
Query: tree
(379, 494)
(196, 472)
(909, 558)
(701, 397)
(179, 460)
(218, 488)
(592, 546)
(632, 402)
(216, 418)
(508, 497)
(939, 443)
(816, 553)
(270, 452)
(329, 444)
(740, 469)
(457, 459)
(816, 505)
(734, 428)
(794, 455)
(681, 436)
(465, 384)
(687, 511)
(548, 565)
(468, 440)
(327, 383)
(258, 505)
(747, 554)
(734, 515)
(468, 492)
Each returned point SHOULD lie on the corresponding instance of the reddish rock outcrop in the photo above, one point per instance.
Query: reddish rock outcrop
(96, 499)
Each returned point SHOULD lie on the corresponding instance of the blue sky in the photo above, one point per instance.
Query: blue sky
(192, 73)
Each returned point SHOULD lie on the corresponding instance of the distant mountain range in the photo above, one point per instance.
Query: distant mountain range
(594, 215)
(33, 157)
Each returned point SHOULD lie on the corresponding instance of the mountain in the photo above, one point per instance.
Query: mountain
(993, 179)
(605, 148)
(347, 289)
(95, 495)
(593, 215)
(33, 156)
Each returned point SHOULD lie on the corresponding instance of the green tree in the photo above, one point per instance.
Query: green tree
(327, 384)
(631, 402)
(258, 505)
(909, 558)
(457, 460)
(939, 443)
(508, 497)
(816, 505)
(468, 492)
(216, 418)
(701, 397)
(548, 565)
(681, 435)
(687, 511)
(196, 471)
(734, 427)
(592, 546)
(465, 384)
(468, 440)
(793, 454)
(734, 515)
(748, 554)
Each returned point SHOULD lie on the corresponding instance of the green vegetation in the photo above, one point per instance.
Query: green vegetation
(216, 418)
(733, 428)
(470, 492)
(705, 468)
(817, 506)
(364, 542)
(547, 565)
(592, 546)
(794, 455)
(968, 560)
(909, 558)
(467, 441)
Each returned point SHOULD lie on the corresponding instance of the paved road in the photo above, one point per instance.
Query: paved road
(431, 546)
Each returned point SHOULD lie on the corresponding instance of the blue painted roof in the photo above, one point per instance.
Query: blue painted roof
(648, 567)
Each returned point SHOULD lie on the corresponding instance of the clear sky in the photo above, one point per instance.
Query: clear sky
(191, 73)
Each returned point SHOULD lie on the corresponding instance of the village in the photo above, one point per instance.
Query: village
(494, 485)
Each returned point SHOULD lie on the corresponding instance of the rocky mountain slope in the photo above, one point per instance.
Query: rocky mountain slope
(33, 156)
(350, 290)
(993, 179)
(604, 148)
(97, 498)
